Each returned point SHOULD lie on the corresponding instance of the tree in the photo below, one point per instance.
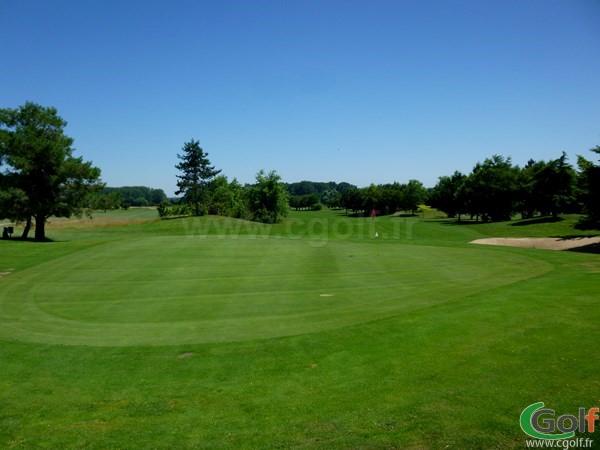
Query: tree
(106, 200)
(227, 199)
(546, 187)
(491, 189)
(42, 178)
(331, 198)
(554, 185)
(197, 174)
(391, 197)
(371, 198)
(414, 194)
(446, 197)
(353, 199)
(268, 198)
(527, 190)
(589, 185)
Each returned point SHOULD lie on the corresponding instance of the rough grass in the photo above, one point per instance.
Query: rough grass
(427, 341)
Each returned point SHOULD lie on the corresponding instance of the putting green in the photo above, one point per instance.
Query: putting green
(173, 290)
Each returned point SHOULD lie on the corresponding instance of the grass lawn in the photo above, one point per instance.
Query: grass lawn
(127, 332)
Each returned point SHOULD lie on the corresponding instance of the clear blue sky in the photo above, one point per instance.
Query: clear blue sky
(358, 91)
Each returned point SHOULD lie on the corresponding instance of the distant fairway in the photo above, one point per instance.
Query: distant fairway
(128, 332)
(172, 290)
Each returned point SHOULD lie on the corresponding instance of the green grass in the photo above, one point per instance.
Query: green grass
(213, 333)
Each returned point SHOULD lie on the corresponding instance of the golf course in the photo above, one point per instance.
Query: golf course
(322, 331)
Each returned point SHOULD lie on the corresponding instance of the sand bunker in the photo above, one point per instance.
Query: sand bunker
(591, 244)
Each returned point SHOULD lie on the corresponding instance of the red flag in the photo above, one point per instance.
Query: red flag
(373, 214)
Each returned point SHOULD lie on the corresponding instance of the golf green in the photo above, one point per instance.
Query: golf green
(165, 290)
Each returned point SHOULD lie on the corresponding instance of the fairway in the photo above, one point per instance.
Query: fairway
(172, 290)
(127, 332)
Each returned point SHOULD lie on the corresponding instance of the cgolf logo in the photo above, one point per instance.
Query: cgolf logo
(540, 422)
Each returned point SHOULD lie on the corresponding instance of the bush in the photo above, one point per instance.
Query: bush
(176, 210)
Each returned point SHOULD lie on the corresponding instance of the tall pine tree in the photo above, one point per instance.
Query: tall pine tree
(197, 173)
(41, 177)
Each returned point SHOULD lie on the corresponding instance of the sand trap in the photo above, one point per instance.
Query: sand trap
(543, 243)
(326, 295)
(185, 355)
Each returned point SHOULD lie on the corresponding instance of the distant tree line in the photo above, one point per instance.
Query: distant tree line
(123, 197)
(385, 198)
(496, 189)
(137, 195)
(314, 195)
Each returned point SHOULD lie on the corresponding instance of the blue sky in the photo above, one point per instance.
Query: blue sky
(357, 91)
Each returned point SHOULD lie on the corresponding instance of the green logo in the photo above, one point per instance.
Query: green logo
(539, 422)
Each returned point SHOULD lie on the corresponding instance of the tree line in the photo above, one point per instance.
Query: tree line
(314, 195)
(136, 195)
(496, 189)
(385, 198)
(41, 177)
(126, 196)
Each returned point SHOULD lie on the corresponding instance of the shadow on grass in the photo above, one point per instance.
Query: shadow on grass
(168, 218)
(28, 240)
(404, 215)
(457, 222)
(536, 221)
(586, 223)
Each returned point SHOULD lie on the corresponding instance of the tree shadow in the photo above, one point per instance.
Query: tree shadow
(404, 215)
(29, 240)
(455, 222)
(168, 218)
(536, 221)
(354, 215)
(572, 237)
(586, 223)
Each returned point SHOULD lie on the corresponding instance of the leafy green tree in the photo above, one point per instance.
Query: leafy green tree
(42, 178)
(197, 174)
(528, 195)
(106, 201)
(414, 194)
(554, 185)
(268, 198)
(391, 197)
(353, 200)
(445, 195)
(589, 186)
(491, 189)
(331, 198)
(227, 199)
(546, 187)
(371, 198)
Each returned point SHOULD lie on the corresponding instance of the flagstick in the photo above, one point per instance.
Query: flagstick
(373, 217)
(377, 238)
